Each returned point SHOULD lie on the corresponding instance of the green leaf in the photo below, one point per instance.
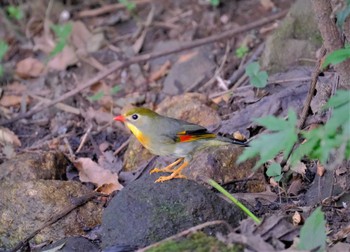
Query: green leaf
(115, 89)
(337, 57)
(3, 49)
(1, 70)
(130, 6)
(267, 146)
(62, 32)
(15, 12)
(214, 2)
(241, 51)
(96, 97)
(341, 97)
(321, 142)
(257, 78)
(313, 233)
(275, 171)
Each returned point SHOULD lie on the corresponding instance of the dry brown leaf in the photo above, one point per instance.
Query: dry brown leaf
(273, 182)
(89, 171)
(238, 135)
(83, 40)
(320, 169)
(8, 137)
(16, 87)
(299, 168)
(9, 151)
(162, 71)
(187, 57)
(29, 68)
(10, 100)
(267, 4)
(64, 59)
(297, 219)
(295, 187)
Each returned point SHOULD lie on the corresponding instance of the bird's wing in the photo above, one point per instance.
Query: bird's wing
(186, 132)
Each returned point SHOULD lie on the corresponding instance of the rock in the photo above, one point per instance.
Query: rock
(297, 37)
(34, 165)
(76, 244)
(30, 204)
(190, 69)
(145, 212)
(192, 107)
(219, 164)
(197, 242)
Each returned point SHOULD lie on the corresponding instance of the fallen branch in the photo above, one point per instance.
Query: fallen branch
(142, 58)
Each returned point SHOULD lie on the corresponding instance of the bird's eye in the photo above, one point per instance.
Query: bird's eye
(134, 116)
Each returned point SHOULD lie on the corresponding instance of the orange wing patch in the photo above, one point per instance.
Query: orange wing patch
(188, 137)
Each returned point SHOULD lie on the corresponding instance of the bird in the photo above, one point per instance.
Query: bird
(166, 136)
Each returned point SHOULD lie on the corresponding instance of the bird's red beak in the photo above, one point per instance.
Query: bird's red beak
(119, 118)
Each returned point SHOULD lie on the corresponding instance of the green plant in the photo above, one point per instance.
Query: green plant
(15, 12)
(281, 139)
(257, 78)
(337, 56)
(3, 49)
(319, 143)
(275, 171)
(99, 95)
(62, 33)
(233, 199)
(130, 6)
(313, 233)
(214, 3)
(241, 51)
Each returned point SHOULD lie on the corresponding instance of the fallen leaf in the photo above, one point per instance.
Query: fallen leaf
(320, 169)
(10, 100)
(295, 187)
(83, 40)
(299, 168)
(297, 219)
(29, 68)
(8, 137)
(273, 182)
(16, 87)
(187, 57)
(63, 59)
(162, 71)
(89, 171)
(238, 135)
(267, 4)
(9, 151)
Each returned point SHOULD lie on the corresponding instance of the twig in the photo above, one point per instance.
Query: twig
(187, 232)
(84, 139)
(312, 88)
(121, 147)
(145, 57)
(218, 71)
(107, 8)
(237, 74)
(80, 202)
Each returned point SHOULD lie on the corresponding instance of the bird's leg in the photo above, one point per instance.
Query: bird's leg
(168, 168)
(175, 174)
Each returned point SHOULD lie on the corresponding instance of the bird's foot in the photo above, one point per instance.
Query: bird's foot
(169, 168)
(170, 177)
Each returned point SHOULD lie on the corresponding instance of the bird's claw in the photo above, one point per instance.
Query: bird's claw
(162, 179)
(155, 170)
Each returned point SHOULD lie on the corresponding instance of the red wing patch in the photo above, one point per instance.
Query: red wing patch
(189, 138)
